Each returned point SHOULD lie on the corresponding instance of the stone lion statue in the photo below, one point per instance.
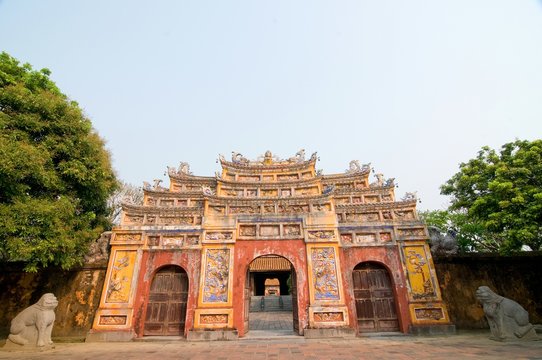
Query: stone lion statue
(507, 319)
(33, 325)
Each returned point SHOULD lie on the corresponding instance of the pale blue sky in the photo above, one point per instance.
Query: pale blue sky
(414, 87)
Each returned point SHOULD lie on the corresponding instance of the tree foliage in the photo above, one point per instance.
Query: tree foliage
(55, 174)
(501, 192)
(469, 234)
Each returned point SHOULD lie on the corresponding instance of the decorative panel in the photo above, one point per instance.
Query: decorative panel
(120, 279)
(324, 273)
(215, 286)
(385, 236)
(247, 230)
(322, 235)
(365, 238)
(291, 230)
(419, 274)
(113, 320)
(127, 238)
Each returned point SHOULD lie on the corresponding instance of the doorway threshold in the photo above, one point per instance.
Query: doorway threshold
(270, 335)
(158, 338)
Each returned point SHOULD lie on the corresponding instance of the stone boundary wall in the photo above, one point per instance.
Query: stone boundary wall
(517, 277)
(78, 292)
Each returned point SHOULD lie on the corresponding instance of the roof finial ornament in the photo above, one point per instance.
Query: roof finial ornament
(238, 158)
(298, 158)
(353, 167)
(379, 180)
(409, 196)
(183, 169)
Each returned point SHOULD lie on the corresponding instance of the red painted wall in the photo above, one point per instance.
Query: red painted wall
(246, 251)
(151, 262)
(389, 258)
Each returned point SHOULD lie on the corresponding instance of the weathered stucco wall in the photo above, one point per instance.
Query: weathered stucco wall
(516, 277)
(78, 293)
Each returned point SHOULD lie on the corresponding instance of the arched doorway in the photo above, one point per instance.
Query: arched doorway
(271, 296)
(375, 301)
(166, 305)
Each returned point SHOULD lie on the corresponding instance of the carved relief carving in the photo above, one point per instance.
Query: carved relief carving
(215, 288)
(127, 238)
(213, 319)
(346, 238)
(269, 193)
(429, 313)
(296, 209)
(404, 214)
(118, 289)
(322, 235)
(292, 230)
(173, 241)
(328, 316)
(411, 232)
(268, 209)
(153, 240)
(244, 210)
(287, 177)
(322, 207)
(249, 178)
(370, 217)
(218, 236)
(419, 274)
(113, 319)
(365, 238)
(171, 220)
(385, 237)
(192, 240)
(324, 273)
(247, 230)
(134, 219)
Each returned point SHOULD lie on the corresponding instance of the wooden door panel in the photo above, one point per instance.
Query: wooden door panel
(166, 307)
(374, 298)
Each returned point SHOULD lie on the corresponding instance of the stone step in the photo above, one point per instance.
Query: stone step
(270, 303)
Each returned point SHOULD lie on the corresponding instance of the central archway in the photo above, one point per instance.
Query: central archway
(270, 296)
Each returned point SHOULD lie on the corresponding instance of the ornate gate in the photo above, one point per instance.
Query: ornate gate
(166, 307)
(375, 303)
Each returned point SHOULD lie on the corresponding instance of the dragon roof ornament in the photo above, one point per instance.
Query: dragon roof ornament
(410, 196)
(355, 167)
(380, 181)
(155, 186)
(183, 169)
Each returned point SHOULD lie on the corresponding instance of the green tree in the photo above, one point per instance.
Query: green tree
(502, 193)
(55, 174)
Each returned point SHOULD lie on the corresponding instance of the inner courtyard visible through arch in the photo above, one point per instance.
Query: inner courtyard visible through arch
(271, 302)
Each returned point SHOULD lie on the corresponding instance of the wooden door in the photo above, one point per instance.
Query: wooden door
(375, 302)
(166, 306)
(295, 310)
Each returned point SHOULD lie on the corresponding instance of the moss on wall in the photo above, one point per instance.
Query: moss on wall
(78, 293)
(516, 277)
